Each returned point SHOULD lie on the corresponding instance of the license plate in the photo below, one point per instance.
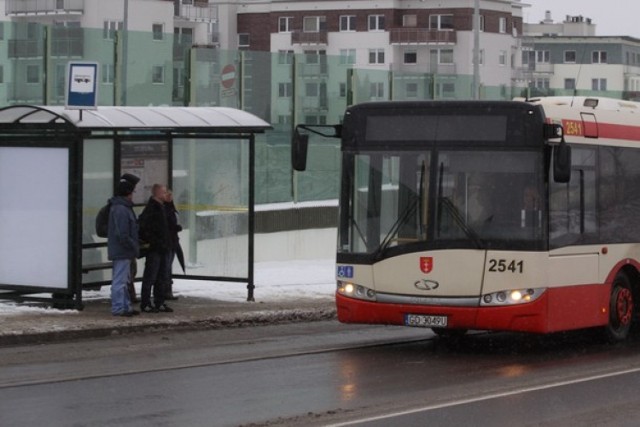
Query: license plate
(424, 321)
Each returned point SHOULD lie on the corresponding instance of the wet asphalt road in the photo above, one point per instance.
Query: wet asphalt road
(321, 373)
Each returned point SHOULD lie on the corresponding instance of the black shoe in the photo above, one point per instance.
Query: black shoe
(170, 297)
(148, 309)
(164, 308)
(133, 312)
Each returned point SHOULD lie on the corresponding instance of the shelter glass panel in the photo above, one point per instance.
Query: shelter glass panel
(211, 192)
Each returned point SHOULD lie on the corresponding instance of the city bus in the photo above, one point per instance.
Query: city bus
(516, 215)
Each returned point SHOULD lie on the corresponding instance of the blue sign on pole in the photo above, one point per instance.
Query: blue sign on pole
(82, 86)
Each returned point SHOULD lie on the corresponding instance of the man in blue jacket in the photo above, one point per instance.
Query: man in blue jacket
(123, 245)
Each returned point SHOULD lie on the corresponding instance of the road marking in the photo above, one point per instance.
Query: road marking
(487, 397)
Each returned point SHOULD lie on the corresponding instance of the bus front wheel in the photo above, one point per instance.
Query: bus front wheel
(621, 309)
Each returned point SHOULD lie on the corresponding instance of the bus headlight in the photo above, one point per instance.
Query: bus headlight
(356, 291)
(511, 297)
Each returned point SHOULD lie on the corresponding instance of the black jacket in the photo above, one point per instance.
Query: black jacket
(154, 228)
(172, 221)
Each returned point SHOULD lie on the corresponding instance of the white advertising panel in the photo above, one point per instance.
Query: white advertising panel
(34, 216)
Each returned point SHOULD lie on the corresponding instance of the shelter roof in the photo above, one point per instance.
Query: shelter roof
(212, 119)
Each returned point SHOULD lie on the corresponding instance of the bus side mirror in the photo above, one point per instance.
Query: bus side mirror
(299, 144)
(562, 162)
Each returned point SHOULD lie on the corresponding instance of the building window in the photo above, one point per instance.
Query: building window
(107, 73)
(376, 22)
(285, 57)
(411, 90)
(158, 31)
(348, 23)
(502, 58)
(502, 25)
(110, 28)
(178, 77)
(599, 57)
(1, 30)
(284, 24)
(313, 56)
(570, 56)
(445, 56)
(376, 90)
(313, 24)
(182, 35)
(543, 56)
(312, 89)
(243, 40)
(376, 56)
(570, 84)
(315, 120)
(599, 84)
(33, 74)
(409, 20)
(284, 119)
(481, 22)
(541, 83)
(285, 90)
(347, 56)
(342, 90)
(157, 74)
(441, 22)
(411, 57)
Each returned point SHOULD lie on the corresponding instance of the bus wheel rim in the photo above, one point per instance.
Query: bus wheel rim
(624, 306)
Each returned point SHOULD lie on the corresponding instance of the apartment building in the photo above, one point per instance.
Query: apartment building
(563, 58)
(411, 48)
(42, 36)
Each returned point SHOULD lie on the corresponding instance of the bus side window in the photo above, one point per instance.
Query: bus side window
(572, 206)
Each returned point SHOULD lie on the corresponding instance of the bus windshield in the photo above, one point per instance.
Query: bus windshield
(393, 201)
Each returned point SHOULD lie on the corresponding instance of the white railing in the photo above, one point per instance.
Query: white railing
(198, 13)
(14, 7)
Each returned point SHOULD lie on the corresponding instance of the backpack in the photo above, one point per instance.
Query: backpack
(102, 220)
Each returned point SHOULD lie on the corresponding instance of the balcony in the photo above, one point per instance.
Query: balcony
(314, 38)
(412, 36)
(425, 68)
(194, 13)
(44, 7)
(319, 69)
(25, 49)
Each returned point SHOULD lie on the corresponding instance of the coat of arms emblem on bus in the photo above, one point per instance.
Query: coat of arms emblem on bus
(426, 264)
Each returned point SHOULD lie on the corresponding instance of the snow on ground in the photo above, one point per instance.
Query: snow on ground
(274, 281)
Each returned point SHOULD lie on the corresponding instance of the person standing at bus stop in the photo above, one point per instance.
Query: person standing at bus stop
(154, 230)
(122, 244)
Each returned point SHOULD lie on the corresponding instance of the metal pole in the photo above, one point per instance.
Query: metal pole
(125, 51)
(476, 49)
(252, 200)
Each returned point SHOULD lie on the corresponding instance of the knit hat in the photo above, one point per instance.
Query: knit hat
(127, 184)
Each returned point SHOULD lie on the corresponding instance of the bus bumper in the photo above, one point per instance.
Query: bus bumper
(531, 317)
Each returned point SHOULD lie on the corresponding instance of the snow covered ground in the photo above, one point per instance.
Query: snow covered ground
(274, 281)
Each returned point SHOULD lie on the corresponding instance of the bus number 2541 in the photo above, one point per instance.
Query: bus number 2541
(505, 265)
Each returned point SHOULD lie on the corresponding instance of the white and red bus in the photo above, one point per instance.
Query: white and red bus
(460, 215)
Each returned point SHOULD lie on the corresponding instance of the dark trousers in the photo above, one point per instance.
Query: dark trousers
(154, 276)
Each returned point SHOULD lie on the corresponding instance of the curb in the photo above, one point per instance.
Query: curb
(239, 320)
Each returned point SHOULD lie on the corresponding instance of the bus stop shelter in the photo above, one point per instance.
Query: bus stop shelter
(58, 167)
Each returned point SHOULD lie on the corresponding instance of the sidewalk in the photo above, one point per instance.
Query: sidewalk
(190, 313)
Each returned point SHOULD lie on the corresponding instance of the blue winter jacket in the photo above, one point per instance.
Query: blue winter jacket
(123, 230)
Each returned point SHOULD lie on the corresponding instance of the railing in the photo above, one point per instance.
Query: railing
(425, 67)
(301, 37)
(422, 36)
(191, 12)
(19, 7)
(321, 68)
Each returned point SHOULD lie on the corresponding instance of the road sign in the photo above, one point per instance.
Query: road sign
(228, 76)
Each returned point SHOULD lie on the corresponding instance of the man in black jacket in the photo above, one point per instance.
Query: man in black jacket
(154, 230)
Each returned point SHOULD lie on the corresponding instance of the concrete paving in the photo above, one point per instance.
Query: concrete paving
(95, 320)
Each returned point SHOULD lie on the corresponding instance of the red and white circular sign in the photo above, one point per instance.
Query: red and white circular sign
(228, 76)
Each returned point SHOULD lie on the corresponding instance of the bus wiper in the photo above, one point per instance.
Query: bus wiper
(459, 220)
(406, 214)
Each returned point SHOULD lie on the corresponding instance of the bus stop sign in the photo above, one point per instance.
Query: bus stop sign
(82, 88)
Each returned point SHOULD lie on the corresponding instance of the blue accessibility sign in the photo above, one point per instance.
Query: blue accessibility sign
(345, 271)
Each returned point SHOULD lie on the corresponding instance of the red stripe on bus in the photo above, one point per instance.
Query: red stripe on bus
(613, 131)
